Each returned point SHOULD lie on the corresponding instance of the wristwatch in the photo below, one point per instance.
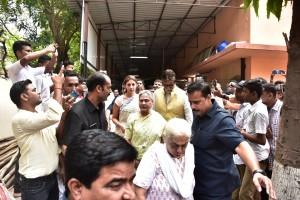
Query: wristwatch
(258, 171)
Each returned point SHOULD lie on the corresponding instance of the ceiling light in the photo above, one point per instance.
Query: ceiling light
(138, 57)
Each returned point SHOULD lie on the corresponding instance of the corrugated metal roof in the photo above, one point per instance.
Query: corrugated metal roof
(147, 26)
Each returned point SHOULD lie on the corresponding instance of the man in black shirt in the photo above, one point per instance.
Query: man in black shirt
(89, 113)
(215, 138)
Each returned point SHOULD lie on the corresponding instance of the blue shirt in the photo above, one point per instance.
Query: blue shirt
(215, 138)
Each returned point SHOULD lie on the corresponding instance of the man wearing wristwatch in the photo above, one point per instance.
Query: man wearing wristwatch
(215, 138)
(254, 132)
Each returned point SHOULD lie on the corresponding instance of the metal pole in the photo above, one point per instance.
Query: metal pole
(85, 59)
(84, 35)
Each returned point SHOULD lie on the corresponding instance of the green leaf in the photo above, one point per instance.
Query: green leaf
(274, 7)
(256, 6)
(4, 4)
(269, 7)
(277, 8)
(247, 3)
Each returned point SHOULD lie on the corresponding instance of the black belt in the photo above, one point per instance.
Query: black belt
(41, 178)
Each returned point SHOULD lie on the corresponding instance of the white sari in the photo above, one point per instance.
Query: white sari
(127, 106)
(157, 164)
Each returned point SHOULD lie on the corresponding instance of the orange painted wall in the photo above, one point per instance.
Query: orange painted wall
(232, 24)
(262, 67)
(257, 66)
(239, 25)
(226, 73)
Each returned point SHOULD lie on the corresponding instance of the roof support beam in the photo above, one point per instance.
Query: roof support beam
(180, 24)
(134, 10)
(211, 17)
(152, 20)
(149, 37)
(142, 30)
(114, 30)
(156, 28)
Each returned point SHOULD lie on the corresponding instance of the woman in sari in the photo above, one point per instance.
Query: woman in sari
(125, 104)
(145, 127)
(166, 170)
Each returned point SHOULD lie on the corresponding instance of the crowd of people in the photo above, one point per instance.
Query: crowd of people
(80, 140)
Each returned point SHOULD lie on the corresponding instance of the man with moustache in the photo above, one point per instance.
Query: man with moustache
(100, 166)
(215, 138)
(89, 113)
(171, 101)
(37, 138)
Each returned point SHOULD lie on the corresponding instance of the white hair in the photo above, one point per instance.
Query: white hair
(177, 127)
(147, 93)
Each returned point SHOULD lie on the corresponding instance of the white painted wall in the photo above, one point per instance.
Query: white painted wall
(91, 37)
(7, 109)
(92, 45)
(269, 31)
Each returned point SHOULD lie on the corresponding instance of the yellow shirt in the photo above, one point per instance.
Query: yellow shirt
(36, 138)
(143, 131)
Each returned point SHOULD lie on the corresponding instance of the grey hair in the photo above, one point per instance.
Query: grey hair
(177, 127)
(147, 93)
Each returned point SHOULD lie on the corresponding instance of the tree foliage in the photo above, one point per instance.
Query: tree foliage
(55, 16)
(42, 23)
(273, 6)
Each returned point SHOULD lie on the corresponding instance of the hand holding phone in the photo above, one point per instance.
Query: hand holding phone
(74, 94)
(278, 71)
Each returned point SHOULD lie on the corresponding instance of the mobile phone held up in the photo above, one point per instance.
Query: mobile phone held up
(278, 71)
(74, 94)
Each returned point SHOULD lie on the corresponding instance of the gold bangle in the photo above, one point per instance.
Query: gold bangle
(57, 88)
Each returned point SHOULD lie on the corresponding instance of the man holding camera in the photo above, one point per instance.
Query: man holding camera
(37, 139)
(21, 70)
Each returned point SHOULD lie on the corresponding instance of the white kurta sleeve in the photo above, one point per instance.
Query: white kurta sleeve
(146, 170)
(13, 69)
(188, 110)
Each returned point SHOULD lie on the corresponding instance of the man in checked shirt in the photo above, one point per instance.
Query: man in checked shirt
(274, 106)
(274, 109)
